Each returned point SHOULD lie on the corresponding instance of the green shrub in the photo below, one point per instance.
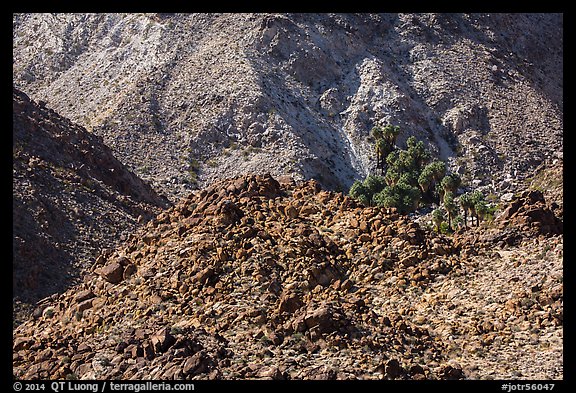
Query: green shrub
(444, 228)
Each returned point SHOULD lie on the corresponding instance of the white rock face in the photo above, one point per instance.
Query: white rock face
(190, 98)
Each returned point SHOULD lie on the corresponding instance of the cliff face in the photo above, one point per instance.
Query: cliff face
(187, 98)
(71, 198)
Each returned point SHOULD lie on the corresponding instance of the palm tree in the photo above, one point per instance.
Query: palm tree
(390, 134)
(481, 209)
(418, 152)
(438, 218)
(382, 151)
(437, 170)
(377, 132)
(450, 183)
(385, 139)
(478, 205)
(450, 207)
(425, 179)
(466, 204)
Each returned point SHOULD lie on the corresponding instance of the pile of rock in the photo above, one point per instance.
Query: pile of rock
(530, 213)
(249, 278)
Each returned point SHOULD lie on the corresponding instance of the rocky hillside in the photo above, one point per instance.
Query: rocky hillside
(71, 199)
(185, 99)
(176, 213)
(254, 278)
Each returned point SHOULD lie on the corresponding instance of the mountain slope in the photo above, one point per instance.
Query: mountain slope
(187, 98)
(71, 198)
(246, 271)
(252, 278)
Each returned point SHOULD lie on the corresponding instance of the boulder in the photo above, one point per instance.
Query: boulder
(162, 340)
(196, 364)
(83, 295)
(392, 369)
(290, 211)
(111, 272)
(323, 319)
(451, 372)
(289, 302)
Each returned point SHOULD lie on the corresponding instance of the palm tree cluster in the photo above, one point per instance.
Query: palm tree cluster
(471, 204)
(409, 178)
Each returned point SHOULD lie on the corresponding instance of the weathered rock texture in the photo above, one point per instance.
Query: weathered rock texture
(182, 98)
(256, 278)
(264, 275)
(71, 198)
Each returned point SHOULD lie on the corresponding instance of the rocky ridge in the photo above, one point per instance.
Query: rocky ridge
(258, 278)
(185, 99)
(71, 198)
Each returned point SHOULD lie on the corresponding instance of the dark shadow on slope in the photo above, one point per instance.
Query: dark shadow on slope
(51, 137)
(39, 267)
(71, 199)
